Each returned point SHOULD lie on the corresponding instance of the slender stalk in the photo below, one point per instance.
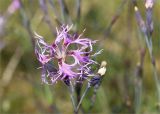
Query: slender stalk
(8, 72)
(115, 17)
(7, 75)
(78, 88)
(71, 91)
(26, 23)
(138, 81)
(44, 8)
(64, 10)
(78, 10)
(147, 32)
(78, 13)
(93, 98)
(84, 94)
(56, 17)
(138, 94)
(157, 81)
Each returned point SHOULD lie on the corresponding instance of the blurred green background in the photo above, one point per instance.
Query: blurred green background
(21, 90)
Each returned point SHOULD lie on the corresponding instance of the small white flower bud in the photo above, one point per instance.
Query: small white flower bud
(149, 3)
(103, 64)
(102, 71)
(136, 8)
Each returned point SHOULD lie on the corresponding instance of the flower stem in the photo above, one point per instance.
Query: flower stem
(71, 91)
(80, 102)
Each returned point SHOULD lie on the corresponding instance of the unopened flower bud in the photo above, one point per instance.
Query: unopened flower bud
(103, 64)
(102, 71)
(95, 81)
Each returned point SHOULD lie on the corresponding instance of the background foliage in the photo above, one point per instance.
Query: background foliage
(113, 23)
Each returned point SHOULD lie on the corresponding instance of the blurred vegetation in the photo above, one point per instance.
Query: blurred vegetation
(121, 39)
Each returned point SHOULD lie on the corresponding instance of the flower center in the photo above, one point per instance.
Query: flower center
(60, 53)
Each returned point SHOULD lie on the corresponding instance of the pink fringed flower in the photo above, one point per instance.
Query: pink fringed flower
(70, 52)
